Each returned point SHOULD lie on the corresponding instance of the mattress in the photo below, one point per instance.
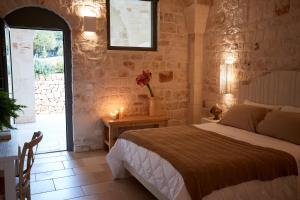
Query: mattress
(158, 175)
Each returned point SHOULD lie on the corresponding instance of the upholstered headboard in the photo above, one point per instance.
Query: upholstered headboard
(278, 88)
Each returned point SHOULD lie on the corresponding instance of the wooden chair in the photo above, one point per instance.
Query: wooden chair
(24, 165)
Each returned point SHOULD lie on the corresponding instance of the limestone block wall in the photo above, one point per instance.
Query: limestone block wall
(50, 94)
(263, 36)
(104, 80)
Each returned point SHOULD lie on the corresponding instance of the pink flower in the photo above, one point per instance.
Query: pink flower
(144, 80)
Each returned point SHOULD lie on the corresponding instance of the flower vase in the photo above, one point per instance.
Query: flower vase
(154, 106)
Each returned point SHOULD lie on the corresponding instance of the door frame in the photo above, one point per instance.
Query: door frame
(42, 19)
(4, 85)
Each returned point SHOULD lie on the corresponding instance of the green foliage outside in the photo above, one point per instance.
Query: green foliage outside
(59, 67)
(42, 67)
(60, 52)
(43, 42)
(48, 44)
(8, 109)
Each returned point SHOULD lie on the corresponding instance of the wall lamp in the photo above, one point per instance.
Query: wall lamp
(89, 10)
(227, 79)
(89, 24)
(227, 75)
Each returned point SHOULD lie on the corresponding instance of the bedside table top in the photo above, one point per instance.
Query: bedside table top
(133, 120)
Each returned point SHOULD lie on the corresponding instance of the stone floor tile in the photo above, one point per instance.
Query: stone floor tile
(42, 186)
(54, 174)
(60, 194)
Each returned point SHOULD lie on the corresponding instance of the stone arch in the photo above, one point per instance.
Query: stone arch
(39, 7)
(52, 6)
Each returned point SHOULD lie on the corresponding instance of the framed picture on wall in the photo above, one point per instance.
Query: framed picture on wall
(132, 25)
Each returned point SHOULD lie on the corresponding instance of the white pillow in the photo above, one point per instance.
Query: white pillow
(290, 109)
(268, 106)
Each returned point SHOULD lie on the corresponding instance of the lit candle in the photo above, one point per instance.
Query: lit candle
(115, 114)
(121, 113)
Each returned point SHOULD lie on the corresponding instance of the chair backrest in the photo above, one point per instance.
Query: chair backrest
(37, 136)
(26, 160)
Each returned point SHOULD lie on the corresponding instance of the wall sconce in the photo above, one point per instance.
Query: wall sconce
(89, 10)
(89, 24)
(227, 75)
(226, 78)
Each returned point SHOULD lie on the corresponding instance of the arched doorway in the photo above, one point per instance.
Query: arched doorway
(36, 18)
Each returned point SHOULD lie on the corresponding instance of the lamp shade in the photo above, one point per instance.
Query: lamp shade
(226, 78)
(89, 24)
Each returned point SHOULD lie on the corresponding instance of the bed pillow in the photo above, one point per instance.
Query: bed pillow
(290, 109)
(281, 125)
(244, 116)
(268, 106)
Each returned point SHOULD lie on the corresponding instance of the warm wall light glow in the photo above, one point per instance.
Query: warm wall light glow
(228, 100)
(229, 59)
(88, 11)
(88, 8)
(226, 78)
(90, 35)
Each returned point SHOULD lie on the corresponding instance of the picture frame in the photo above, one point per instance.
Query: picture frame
(153, 35)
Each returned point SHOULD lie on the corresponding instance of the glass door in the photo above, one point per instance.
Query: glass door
(6, 66)
(2, 54)
(8, 61)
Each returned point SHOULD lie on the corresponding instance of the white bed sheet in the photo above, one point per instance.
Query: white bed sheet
(160, 174)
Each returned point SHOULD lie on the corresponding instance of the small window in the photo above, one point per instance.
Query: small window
(132, 25)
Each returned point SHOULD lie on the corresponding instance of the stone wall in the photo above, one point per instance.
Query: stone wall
(50, 94)
(263, 35)
(105, 80)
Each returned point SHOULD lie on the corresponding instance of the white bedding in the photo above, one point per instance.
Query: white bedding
(161, 175)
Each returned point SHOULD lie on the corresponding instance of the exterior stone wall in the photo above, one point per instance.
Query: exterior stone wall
(263, 35)
(50, 94)
(105, 80)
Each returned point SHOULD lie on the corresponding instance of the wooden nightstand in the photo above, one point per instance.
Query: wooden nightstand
(208, 120)
(113, 128)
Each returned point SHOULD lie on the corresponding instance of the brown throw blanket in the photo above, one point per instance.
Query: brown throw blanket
(208, 161)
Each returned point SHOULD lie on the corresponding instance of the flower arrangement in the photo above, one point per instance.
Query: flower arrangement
(144, 80)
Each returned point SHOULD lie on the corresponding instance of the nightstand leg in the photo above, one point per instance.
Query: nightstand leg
(113, 135)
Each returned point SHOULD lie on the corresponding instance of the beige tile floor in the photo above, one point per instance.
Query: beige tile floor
(81, 176)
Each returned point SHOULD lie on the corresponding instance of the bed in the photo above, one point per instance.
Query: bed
(165, 182)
